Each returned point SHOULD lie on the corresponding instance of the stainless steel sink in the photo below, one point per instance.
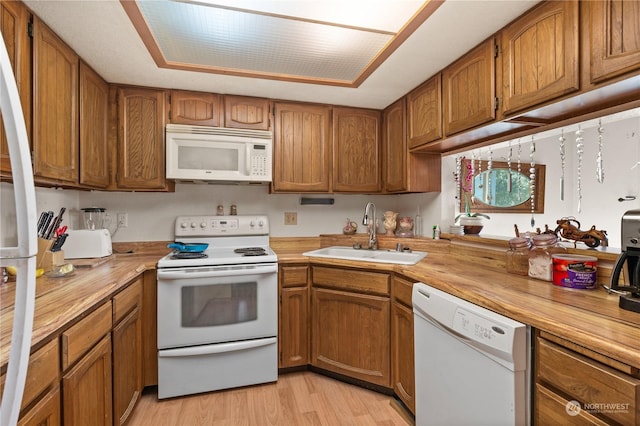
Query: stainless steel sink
(364, 255)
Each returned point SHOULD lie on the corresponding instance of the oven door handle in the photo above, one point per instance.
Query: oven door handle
(213, 272)
(217, 348)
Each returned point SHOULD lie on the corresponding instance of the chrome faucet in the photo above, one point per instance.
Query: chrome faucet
(370, 222)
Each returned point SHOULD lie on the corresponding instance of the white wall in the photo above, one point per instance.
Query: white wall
(151, 215)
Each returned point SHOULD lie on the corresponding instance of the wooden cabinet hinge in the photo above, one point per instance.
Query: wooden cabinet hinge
(496, 50)
(496, 103)
(30, 28)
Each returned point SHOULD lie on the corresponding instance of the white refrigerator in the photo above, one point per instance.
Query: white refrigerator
(22, 252)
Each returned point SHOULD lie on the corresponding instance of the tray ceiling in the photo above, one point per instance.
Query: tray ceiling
(307, 41)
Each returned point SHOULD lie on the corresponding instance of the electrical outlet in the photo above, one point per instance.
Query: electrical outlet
(290, 218)
(123, 220)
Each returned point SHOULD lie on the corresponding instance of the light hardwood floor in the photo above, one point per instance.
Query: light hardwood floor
(300, 398)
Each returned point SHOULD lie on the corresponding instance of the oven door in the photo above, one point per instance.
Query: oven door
(215, 304)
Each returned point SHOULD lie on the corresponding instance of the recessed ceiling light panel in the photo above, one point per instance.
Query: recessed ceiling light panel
(202, 35)
(231, 39)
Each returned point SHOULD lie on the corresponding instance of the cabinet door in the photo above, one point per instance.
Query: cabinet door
(614, 32)
(246, 113)
(46, 412)
(55, 113)
(14, 18)
(293, 333)
(424, 112)
(86, 388)
(357, 162)
(141, 150)
(402, 355)
(94, 110)
(150, 327)
(293, 323)
(406, 171)
(395, 146)
(351, 335)
(468, 87)
(127, 365)
(540, 55)
(302, 148)
(195, 108)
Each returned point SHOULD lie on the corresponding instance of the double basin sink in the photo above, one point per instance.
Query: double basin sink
(365, 255)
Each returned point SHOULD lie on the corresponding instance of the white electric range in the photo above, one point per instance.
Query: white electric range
(218, 309)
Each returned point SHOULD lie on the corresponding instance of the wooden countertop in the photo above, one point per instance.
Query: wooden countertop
(590, 318)
(60, 302)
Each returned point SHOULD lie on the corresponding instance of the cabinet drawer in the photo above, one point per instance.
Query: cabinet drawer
(126, 300)
(81, 337)
(588, 381)
(402, 291)
(43, 370)
(347, 279)
(551, 409)
(294, 276)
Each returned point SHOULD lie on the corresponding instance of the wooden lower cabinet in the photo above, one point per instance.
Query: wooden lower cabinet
(86, 388)
(46, 412)
(150, 327)
(293, 317)
(127, 351)
(574, 385)
(402, 346)
(350, 334)
(551, 409)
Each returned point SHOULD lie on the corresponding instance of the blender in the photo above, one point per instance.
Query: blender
(93, 218)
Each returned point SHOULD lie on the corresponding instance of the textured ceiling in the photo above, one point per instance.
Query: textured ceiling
(104, 36)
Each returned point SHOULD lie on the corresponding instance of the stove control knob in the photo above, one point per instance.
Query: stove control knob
(261, 223)
(193, 224)
(634, 241)
(203, 225)
(183, 225)
(252, 224)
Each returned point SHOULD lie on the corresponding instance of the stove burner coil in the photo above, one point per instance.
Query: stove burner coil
(251, 251)
(188, 255)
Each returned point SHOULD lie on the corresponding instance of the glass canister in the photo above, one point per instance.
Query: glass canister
(541, 256)
(518, 256)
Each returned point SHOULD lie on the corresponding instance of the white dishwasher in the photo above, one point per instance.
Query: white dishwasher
(472, 365)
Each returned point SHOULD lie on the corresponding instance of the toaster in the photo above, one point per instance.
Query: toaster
(87, 243)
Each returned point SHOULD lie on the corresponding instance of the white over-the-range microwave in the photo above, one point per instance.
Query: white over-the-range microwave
(218, 154)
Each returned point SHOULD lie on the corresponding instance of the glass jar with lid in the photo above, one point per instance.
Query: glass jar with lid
(518, 256)
(541, 256)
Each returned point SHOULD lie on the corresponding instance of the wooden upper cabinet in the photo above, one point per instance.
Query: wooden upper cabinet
(357, 160)
(394, 136)
(302, 147)
(468, 87)
(14, 19)
(195, 108)
(540, 55)
(55, 112)
(424, 112)
(246, 113)
(94, 113)
(614, 32)
(141, 150)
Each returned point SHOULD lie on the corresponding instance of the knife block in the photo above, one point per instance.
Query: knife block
(46, 258)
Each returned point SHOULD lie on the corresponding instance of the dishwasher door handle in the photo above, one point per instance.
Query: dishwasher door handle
(427, 317)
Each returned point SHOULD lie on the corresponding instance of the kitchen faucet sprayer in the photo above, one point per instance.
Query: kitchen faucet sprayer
(371, 224)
